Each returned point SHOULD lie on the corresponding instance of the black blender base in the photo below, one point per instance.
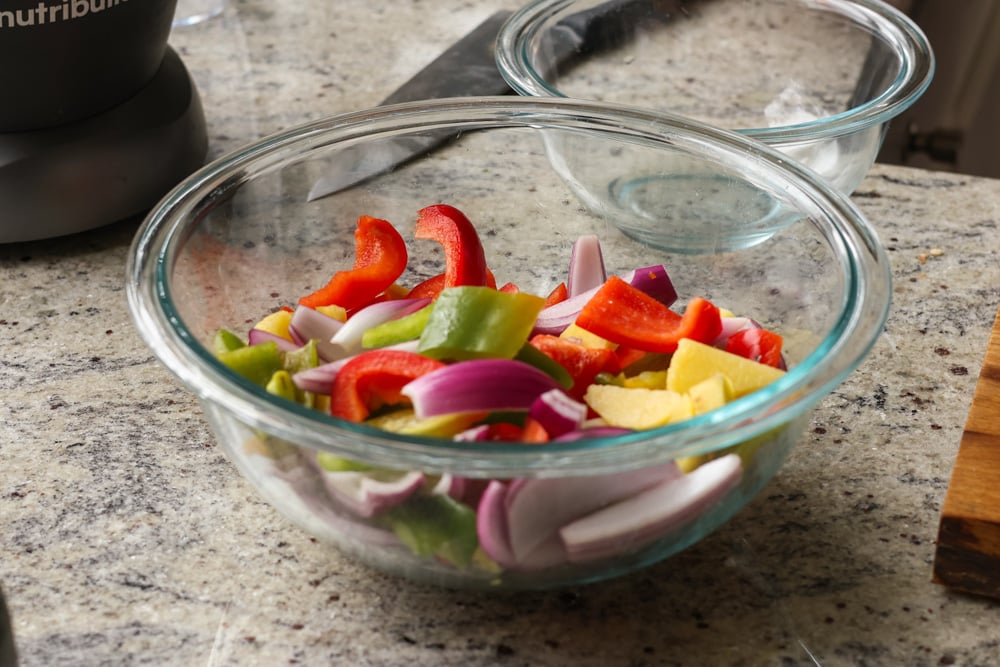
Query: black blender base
(106, 168)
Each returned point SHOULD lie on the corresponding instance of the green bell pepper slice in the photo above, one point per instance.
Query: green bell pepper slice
(473, 322)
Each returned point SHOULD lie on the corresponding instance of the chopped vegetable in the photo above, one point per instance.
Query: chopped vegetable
(478, 385)
(225, 341)
(582, 363)
(437, 525)
(651, 514)
(406, 421)
(256, 363)
(478, 322)
(376, 378)
(760, 345)
(258, 336)
(491, 524)
(694, 362)
(557, 295)
(401, 329)
(276, 323)
(380, 258)
(586, 265)
(465, 259)
(371, 492)
(625, 314)
(311, 324)
(651, 280)
(349, 339)
(556, 413)
(638, 408)
(537, 508)
(456, 357)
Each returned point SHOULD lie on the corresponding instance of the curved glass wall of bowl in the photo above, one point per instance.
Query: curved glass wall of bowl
(676, 202)
(191, 12)
(752, 66)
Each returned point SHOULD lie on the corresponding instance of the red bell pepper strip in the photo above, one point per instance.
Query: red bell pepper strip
(465, 259)
(534, 432)
(757, 344)
(557, 295)
(628, 316)
(629, 355)
(373, 379)
(379, 259)
(505, 432)
(430, 288)
(582, 363)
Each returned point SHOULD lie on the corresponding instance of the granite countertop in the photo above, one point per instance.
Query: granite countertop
(128, 538)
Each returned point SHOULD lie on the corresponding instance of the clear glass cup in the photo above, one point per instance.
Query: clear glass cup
(190, 12)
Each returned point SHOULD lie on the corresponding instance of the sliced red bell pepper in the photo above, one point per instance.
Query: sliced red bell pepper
(505, 432)
(582, 363)
(629, 355)
(509, 288)
(628, 316)
(379, 259)
(430, 288)
(757, 344)
(557, 295)
(465, 259)
(534, 432)
(373, 379)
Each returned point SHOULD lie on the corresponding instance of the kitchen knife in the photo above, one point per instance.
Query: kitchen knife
(468, 69)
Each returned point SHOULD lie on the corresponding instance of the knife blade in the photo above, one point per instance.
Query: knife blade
(465, 68)
(468, 69)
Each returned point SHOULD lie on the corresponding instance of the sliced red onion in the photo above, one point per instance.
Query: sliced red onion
(652, 280)
(555, 318)
(550, 553)
(310, 324)
(347, 340)
(367, 495)
(449, 485)
(491, 524)
(586, 265)
(538, 508)
(478, 433)
(257, 336)
(319, 380)
(651, 515)
(558, 413)
(492, 531)
(478, 385)
(303, 481)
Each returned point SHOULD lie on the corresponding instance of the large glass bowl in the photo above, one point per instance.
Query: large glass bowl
(242, 238)
(817, 79)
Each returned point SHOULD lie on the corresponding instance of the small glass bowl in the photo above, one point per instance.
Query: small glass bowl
(817, 79)
(243, 237)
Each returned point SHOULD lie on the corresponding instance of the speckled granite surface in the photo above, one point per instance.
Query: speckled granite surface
(127, 538)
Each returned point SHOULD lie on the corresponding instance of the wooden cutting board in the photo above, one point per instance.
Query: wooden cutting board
(968, 545)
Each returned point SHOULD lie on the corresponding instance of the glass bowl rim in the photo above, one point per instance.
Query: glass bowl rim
(154, 247)
(909, 43)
